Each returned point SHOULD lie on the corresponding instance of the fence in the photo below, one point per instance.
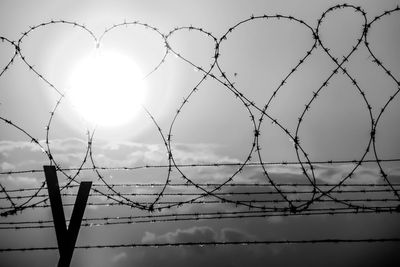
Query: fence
(161, 202)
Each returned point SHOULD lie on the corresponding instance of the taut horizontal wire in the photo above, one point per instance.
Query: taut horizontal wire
(214, 243)
(125, 220)
(216, 164)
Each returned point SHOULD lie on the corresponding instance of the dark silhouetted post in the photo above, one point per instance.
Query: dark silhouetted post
(66, 238)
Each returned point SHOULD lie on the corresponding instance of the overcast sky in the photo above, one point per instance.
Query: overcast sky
(214, 126)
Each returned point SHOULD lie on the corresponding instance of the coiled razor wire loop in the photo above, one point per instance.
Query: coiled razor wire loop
(258, 115)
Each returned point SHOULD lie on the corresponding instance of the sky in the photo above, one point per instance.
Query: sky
(213, 125)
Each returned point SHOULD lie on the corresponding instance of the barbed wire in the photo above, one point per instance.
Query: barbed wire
(199, 201)
(313, 192)
(247, 193)
(126, 220)
(193, 165)
(186, 185)
(213, 244)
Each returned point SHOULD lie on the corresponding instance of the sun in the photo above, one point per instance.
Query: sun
(107, 88)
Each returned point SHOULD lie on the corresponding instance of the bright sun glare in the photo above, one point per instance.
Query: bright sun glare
(107, 88)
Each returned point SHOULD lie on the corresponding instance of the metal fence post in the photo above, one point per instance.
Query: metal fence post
(66, 237)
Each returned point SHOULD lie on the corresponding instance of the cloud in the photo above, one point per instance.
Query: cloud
(119, 257)
(5, 166)
(334, 174)
(193, 234)
(275, 219)
(199, 153)
(149, 237)
(129, 153)
(234, 235)
(21, 155)
(331, 174)
(198, 234)
(200, 256)
(270, 255)
(19, 181)
(68, 145)
(6, 146)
